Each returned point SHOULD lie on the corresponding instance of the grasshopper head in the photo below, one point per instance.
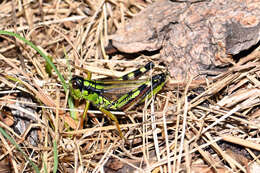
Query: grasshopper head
(76, 85)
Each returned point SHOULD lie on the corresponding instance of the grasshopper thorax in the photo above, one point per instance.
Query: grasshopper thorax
(81, 88)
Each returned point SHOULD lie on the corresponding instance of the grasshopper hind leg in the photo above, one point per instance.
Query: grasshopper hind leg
(138, 95)
(137, 73)
(152, 87)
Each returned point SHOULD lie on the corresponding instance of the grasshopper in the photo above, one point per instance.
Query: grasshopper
(121, 94)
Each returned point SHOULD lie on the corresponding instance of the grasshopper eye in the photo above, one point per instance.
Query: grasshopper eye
(75, 85)
(77, 82)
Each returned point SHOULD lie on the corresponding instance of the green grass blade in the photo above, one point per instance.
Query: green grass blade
(2, 131)
(47, 59)
(48, 68)
(55, 151)
(70, 100)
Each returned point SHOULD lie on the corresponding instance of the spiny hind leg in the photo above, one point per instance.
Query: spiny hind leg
(137, 73)
(147, 89)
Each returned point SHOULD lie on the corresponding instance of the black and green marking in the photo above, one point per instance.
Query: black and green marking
(120, 94)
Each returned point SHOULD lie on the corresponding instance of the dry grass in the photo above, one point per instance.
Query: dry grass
(195, 126)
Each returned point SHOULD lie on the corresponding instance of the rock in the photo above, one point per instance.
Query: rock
(195, 37)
